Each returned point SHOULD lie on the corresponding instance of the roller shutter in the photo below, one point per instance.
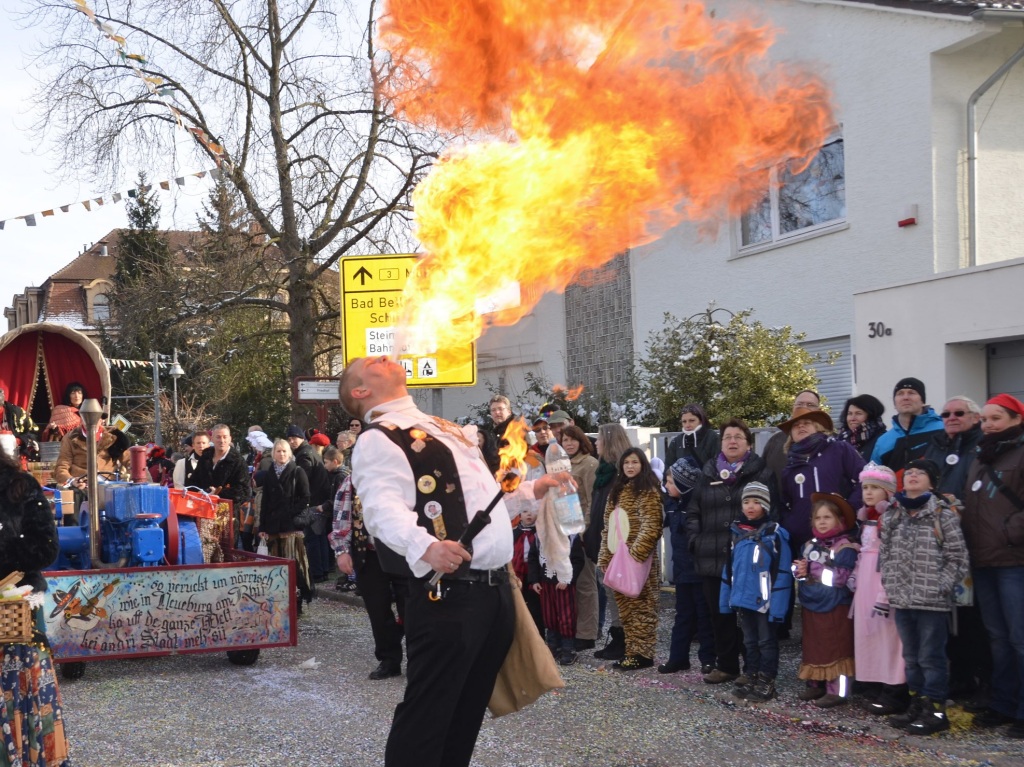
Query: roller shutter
(836, 380)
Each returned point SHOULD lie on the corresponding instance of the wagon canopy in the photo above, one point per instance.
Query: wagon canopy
(38, 361)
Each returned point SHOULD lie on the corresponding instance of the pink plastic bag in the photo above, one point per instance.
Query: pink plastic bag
(624, 574)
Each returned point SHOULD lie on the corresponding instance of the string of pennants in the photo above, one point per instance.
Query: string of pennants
(133, 364)
(159, 87)
(30, 218)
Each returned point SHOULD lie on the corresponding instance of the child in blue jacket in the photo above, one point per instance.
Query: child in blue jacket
(757, 584)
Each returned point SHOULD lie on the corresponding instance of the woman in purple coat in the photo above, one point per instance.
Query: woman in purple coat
(816, 462)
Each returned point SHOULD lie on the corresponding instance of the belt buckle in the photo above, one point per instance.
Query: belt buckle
(495, 577)
(490, 578)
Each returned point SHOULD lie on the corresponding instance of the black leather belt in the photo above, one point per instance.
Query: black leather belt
(496, 577)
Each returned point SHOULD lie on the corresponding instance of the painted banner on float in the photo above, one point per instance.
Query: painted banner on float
(159, 610)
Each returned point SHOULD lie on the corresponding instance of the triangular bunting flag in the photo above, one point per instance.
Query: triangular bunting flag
(215, 174)
(87, 205)
(98, 201)
(166, 185)
(65, 208)
(117, 197)
(180, 181)
(30, 219)
(47, 213)
(133, 193)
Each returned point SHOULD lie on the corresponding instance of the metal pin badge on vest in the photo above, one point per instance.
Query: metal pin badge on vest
(419, 442)
(426, 484)
(432, 510)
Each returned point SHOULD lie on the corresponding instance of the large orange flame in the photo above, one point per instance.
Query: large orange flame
(571, 394)
(512, 453)
(604, 124)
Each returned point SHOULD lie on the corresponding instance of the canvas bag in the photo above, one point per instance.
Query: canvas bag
(529, 669)
(624, 574)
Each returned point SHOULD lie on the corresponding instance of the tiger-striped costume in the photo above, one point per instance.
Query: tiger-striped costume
(640, 615)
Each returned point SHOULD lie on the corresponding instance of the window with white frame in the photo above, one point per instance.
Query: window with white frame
(797, 203)
(100, 308)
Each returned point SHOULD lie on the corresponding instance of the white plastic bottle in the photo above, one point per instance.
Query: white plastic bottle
(566, 501)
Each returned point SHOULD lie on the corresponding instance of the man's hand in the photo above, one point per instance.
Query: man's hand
(562, 586)
(548, 481)
(344, 563)
(445, 556)
(536, 588)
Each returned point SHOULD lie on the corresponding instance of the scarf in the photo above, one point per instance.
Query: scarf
(278, 468)
(728, 470)
(865, 432)
(604, 474)
(913, 503)
(828, 539)
(991, 445)
(801, 452)
(554, 544)
(873, 513)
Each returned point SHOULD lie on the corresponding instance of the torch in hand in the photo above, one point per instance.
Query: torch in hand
(480, 520)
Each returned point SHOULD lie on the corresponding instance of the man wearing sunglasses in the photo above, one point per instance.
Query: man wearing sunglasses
(953, 447)
(953, 451)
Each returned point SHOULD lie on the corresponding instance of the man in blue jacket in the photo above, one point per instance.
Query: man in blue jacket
(913, 427)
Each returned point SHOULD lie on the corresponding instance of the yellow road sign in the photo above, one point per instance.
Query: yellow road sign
(371, 305)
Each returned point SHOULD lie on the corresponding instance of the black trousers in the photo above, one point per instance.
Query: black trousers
(456, 647)
(728, 637)
(378, 590)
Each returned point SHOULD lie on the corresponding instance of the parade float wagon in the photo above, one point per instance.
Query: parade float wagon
(146, 571)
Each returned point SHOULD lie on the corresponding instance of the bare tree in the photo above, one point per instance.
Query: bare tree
(292, 91)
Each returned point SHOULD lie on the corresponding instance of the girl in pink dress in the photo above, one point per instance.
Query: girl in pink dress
(877, 648)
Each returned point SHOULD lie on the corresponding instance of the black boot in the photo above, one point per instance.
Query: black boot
(763, 689)
(616, 647)
(904, 720)
(892, 699)
(932, 719)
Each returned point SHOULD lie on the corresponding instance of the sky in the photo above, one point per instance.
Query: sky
(29, 255)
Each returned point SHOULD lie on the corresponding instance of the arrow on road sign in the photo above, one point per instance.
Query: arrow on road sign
(362, 274)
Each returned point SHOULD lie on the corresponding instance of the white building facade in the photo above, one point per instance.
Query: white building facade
(879, 265)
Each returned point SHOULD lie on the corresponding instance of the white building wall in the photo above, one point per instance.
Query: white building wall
(885, 121)
(536, 344)
(956, 74)
(940, 328)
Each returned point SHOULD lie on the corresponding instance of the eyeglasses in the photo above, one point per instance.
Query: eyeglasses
(958, 413)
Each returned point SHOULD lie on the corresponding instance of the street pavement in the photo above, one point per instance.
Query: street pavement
(199, 711)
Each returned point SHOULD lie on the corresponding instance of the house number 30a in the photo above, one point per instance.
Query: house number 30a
(878, 329)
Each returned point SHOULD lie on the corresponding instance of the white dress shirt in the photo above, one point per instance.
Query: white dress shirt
(387, 488)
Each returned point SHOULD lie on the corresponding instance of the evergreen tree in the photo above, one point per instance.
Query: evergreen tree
(737, 368)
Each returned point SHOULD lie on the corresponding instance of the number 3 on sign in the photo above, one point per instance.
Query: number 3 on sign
(878, 329)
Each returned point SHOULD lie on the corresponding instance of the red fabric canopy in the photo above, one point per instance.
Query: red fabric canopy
(18, 367)
(66, 356)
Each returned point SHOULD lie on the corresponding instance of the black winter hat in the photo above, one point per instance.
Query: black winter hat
(928, 467)
(910, 383)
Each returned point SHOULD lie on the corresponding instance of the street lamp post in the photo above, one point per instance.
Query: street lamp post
(92, 413)
(176, 372)
(157, 436)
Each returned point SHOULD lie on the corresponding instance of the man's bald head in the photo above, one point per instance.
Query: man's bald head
(368, 381)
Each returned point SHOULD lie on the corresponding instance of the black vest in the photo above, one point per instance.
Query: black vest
(437, 481)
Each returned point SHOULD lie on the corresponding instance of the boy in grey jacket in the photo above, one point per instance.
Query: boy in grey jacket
(923, 557)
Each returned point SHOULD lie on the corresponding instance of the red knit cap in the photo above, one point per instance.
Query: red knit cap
(1009, 402)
